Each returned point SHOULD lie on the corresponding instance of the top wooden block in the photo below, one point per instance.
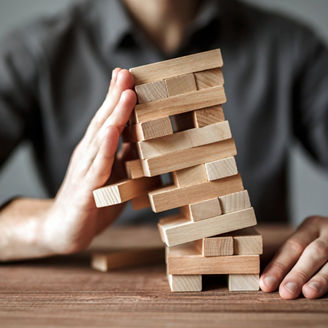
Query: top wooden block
(177, 66)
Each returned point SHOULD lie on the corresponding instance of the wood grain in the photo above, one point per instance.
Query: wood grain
(180, 84)
(235, 201)
(221, 168)
(190, 176)
(185, 283)
(247, 241)
(216, 246)
(209, 78)
(134, 169)
(151, 91)
(243, 282)
(206, 116)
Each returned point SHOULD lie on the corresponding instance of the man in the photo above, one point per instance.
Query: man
(53, 74)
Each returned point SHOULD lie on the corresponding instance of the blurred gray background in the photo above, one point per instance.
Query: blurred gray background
(308, 183)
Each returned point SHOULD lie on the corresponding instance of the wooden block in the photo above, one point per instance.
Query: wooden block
(243, 282)
(151, 91)
(186, 259)
(185, 283)
(190, 176)
(188, 157)
(123, 191)
(202, 210)
(170, 197)
(177, 229)
(134, 169)
(221, 168)
(247, 242)
(180, 104)
(126, 258)
(140, 202)
(177, 66)
(235, 202)
(180, 84)
(184, 140)
(148, 130)
(183, 121)
(206, 116)
(209, 78)
(215, 246)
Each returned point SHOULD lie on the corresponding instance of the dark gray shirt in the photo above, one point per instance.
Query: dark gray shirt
(55, 72)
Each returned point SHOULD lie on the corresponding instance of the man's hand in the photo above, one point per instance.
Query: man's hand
(300, 265)
(35, 228)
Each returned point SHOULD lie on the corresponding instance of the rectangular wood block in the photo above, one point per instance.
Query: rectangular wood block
(177, 229)
(243, 282)
(202, 210)
(180, 104)
(180, 84)
(151, 91)
(188, 157)
(221, 168)
(177, 66)
(247, 242)
(185, 259)
(235, 201)
(209, 78)
(216, 246)
(184, 140)
(206, 116)
(190, 176)
(134, 169)
(185, 283)
(171, 197)
(123, 191)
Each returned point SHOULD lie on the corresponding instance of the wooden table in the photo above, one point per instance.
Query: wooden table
(66, 292)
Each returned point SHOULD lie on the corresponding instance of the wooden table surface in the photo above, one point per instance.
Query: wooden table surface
(66, 292)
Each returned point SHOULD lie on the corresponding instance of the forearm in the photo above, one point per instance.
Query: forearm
(21, 229)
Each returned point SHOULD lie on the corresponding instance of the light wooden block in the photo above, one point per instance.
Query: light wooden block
(151, 91)
(184, 140)
(180, 104)
(209, 78)
(215, 246)
(190, 176)
(247, 242)
(126, 258)
(235, 201)
(140, 202)
(177, 229)
(206, 116)
(186, 259)
(123, 191)
(243, 282)
(202, 210)
(170, 197)
(148, 130)
(185, 283)
(177, 66)
(188, 157)
(221, 168)
(134, 169)
(180, 84)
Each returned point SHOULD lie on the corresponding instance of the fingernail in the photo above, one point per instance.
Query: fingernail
(270, 281)
(314, 285)
(291, 286)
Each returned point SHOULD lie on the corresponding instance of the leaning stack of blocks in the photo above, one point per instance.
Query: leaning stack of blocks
(178, 127)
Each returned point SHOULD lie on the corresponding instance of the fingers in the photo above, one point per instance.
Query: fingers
(312, 259)
(317, 286)
(286, 258)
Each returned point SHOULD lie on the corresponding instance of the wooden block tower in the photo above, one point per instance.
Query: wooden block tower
(178, 127)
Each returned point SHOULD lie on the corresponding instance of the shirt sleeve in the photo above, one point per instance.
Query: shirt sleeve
(310, 98)
(18, 105)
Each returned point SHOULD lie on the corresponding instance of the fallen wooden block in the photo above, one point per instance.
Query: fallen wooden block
(179, 104)
(185, 259)
(184, 140)
(202, 210)
(209, 78)
(125, 190)
(180, 84)
(177, 66)
(207, 116)
(126, 258)
(185, 283)
(170, 197)
(235, 201)
(151, 91)
(177, 229)
(243, 282)
(190, 176)
(188, 157)
(216, 246)
(221, 168)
